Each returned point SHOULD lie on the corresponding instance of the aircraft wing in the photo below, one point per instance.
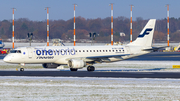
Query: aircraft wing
(105, 58)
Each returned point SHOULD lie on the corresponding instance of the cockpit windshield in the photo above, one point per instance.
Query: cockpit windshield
(15, 51)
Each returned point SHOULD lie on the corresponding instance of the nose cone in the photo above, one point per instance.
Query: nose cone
(7, 59)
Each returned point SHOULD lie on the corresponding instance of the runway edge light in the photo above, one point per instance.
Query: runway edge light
(176, 66)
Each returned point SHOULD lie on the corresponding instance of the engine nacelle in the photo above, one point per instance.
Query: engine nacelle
(50, 65)
(76, 63)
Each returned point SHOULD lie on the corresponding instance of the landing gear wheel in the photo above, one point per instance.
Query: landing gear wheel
(21, 69)
(73, 69)
(90, 68)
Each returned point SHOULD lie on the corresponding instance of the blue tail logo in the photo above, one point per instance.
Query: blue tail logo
(146, 32)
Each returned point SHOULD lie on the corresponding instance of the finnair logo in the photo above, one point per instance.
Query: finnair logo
(146, 32)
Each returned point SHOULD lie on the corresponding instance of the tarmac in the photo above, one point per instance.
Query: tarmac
(98, 74)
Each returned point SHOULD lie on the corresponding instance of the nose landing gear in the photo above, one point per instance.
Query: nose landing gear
(22, 69)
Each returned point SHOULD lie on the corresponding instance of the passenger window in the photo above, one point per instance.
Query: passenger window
(79, 50)
(113, 50)
(109, 50)
(106, 50)
(97, 50)
(103, 50)
(90, 51)
(94, 50)
(87, 50)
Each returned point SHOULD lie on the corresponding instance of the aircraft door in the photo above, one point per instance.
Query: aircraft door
(128, 50)
(30, 52)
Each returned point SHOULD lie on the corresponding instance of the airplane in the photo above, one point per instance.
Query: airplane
(77, 57)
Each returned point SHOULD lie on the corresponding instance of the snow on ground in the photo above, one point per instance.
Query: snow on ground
(9, 44)
(115, 66)
(123, 64)
(87, 89)
(97, 89)
(140, 64)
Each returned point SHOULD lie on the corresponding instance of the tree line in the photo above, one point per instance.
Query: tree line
(64, 29)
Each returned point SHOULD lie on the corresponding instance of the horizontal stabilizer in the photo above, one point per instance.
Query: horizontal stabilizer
(154, 48)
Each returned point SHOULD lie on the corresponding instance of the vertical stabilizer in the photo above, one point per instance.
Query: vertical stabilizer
(146, 35)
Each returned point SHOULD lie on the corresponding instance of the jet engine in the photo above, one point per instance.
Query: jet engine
(50, 65)
(76, 63)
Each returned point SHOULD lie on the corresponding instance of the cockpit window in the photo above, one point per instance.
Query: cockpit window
(15, 51)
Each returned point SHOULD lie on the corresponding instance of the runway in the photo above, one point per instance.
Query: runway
(93, 74)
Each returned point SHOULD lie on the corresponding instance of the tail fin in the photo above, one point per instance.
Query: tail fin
(146, 35)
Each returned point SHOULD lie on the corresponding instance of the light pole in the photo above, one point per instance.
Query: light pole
(111, 4)
(131, 24)
(74, 27)
(13, 27)
(47, 25)
(167, 24)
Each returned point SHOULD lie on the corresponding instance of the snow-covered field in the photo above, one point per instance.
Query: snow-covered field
(119, 66)
(9, 44)
(87, 89)
(93, 89)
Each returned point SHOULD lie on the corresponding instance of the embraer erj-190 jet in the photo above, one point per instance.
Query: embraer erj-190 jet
(77, 57)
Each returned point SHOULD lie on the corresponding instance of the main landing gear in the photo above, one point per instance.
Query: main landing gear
(73, 69)
(90, 68)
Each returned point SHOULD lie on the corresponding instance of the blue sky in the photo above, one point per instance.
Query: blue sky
(63, 9)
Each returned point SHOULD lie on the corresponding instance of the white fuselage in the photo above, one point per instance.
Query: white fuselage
(61, 54)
